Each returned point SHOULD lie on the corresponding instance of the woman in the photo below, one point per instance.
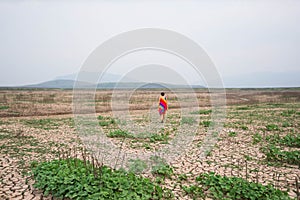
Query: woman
(162, 106)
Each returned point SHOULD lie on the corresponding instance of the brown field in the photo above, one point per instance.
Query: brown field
(36, 125)
(59, 102)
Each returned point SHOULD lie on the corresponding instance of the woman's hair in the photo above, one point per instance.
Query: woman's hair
(162, 94)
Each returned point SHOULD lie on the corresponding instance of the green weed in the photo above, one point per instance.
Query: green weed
(202, 112)
(289, 140)
(100, 117)
(244, 127)
(274, 154)
(232, 134)
(288, 113)
(137, 166)
(120, 134)
(272, 127)
(106, 121)
(206, 123)
(212, 186)
(76, 179)
(146, 146)
(248, 158)
(158, 137)
(46, 124)
(4, 107)
(162, 169)
(256, 138)
(188, 120)
(286, 124)
(243, 108)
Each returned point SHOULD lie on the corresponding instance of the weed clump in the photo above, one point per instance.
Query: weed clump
(75, 179)
(221, 187)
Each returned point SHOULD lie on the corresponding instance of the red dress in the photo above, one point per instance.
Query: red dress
(163, 106)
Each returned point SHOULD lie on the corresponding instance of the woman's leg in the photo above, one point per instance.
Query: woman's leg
(161, 117)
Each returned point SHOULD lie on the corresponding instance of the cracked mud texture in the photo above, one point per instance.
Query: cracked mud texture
(40, 132)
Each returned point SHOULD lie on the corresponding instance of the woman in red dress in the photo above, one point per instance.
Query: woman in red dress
(162, 106)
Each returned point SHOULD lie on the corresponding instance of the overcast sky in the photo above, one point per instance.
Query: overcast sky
(40, 40)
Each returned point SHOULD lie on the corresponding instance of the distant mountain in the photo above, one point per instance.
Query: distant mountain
(94, 76)
(61, 84)
(69, 84)
(110, 81)
(142, 85)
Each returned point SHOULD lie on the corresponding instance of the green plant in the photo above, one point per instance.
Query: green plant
(290, 140)
(244, 127)
(272, 127)
(112, 121)
(248, 158)
(76, 179)
(288, 113)
(4, 107)
(243, 108)
(202, 112)
(100, 117)
(286, 124)
(212, 186)
(182, 177)
(120, 133)
(188, 120)
(158, 137)
(206, 123)
(107, 123)
(137, 166)
(274, 154)
(162, 169)
(193, 191)
(146, 146)
(46, 124)
(256, 138)
(104, 123)
(232, 134)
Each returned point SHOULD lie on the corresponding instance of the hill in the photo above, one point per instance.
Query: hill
(69, 84)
